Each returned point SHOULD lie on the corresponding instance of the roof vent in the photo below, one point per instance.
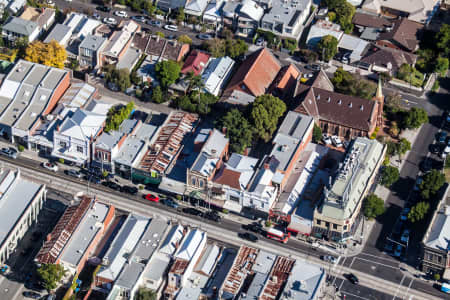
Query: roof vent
(318, 97)
(339, 102)
(361, 108)
(329, 100)
(350, 105)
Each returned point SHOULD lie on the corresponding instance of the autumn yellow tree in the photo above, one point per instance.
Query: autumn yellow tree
(51, 54)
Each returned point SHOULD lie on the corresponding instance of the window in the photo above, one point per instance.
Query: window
(62, 144)
(327, 224)
(80, 149)
(345, 227)
(318, 222)
(193, 181)
(200, 182)
(235, 199)
(334, 226)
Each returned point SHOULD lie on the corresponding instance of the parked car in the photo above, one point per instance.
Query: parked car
(425, 165)
(336, 141)
(404, 214)
(314, 67)
(92, 178)
(10, 152)
(110, 21)
(259, 42)
(155, 23)
(96, 16)
(169, 202)
(248, 236)
(129, 189)
(32, 295)
(103, 8)
(419, 181)
(329, 258)
(212, 215)
(445, 152)
(73, 173)
(112, 185)
(254, 227)
(50, 166)
(435, 148)
(405, 236)
(308, 75)
(352, 278)
(442, 136)
(192, 211)
(121, 13)
(345, 58)
(398, 251)
(152, 198)
(205, 37)
(326, 139)
(171, 27)
(171, 37)
(141, 19)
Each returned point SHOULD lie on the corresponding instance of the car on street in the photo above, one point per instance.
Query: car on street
(112, 185)
(129, 189)
(314, 67)
(73, 173)
(259, 42)
(254, 227)
(248, 236)
(32, 295)
(435, 148)
(398, 251)
(96, 16)
(155, 23)
(308, 75)
(404, 214)
(92, 178)
(103, 8)
(151, 197)
(141, 19)
(425, 165)
(405, 236)
(171, 37)
(171, 27)
(345, 58)
(121, 13)
(192, 211)
(326, 139)
(50, 166)
(110, 21)
(205, 37)
(49, 297)
(442, 136)
(10, 152)
(352, 278)
(212, 215)
(329, 258)
(169, 202)
(445, 152)
(336, 141)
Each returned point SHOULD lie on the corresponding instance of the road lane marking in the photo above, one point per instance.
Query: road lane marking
(374, 262)
(377, 257)
(398, 287)
(409, 287)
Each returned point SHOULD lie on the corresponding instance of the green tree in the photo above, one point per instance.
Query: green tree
(327, 47)
(180, 15)
(403, 146)
(160, 34)
(145, 294)
(50, 275)
(415, 117)
(432, 182)
(443, 39)
(235, 47)
(195, 82)
(344, 12)
(373, 206)
(317, 134)
(184, 39)
(168, 72)
(418, 212)
(389, 176)
(441, 66)
(353, 84)
(216, 47)
(119, 78)
(238, 130)
(149, 7)
(157, 95)
(135, 79)
(331, 16)
(266, 110)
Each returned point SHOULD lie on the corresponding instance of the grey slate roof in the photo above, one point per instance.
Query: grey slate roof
(58, 33)
(20, 26)
(92, 42)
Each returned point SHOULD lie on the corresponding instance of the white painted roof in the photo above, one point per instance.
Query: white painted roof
(190, 244)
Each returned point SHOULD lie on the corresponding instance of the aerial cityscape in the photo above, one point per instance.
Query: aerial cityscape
(224, 149)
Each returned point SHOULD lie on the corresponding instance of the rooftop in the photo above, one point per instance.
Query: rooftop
(438, 234)
(92, 42)
(286, 12)
(237, 171)
(59, 33)
(278, 276)
(304, 283)
(86, 231)
(195, 62)
(405, 32)
(216, 73)
(191, 244)
(224, 265)
(322, 28)
(211, 153)
(16, 195)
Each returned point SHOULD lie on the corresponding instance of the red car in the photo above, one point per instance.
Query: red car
(151, 197)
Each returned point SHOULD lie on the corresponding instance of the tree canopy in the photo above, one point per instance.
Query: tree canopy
(418, 212)
(50, 275)
(51, 54)
(145, 294)
(344, 13)
(317, 134)
(119, 79)
(403, 146)
(432, 182)
(389, 176)
(327, 47)
(238, 130)
(265, 113)
(168, 72)
(117, 114)
(196, 102)
(353, 85)
(441, 66)
(184, 39)
(415, 117)
(230, 47)
(373, 206)
(443, 39)
(157, 95)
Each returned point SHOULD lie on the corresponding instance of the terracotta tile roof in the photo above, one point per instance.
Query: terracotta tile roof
(349, 111)
(367, 20)
(278, 277)
(286, 80)
(195, 62)
(228, 177)
(405, 33)
(383, 56)
(256, 73)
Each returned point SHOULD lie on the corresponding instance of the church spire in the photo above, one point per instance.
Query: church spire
(379, 94)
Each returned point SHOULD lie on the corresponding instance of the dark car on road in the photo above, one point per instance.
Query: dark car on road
(192, 211)
(352, 278)
(103, 8)
(442, 136)
(92, 178)
(32, 295)
(73, 173)
(435, 148)
(425, 165)
(129, 189)
(254, 227)
(10, 152)
(248, 236)
(169, 202)
(112, 185)
(212, 215)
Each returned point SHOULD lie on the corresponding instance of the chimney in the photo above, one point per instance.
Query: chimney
(49, 237)
(57, 128)
(350, 105)
(361, 108)
(266, 166)
(224, 130)
(339, 102)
